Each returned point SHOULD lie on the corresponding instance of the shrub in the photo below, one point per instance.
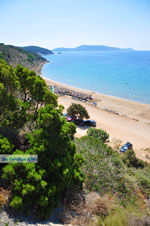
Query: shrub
(143, 180)
(5, 146)
(102, 168)
(118, 218)
(98, 133)
(130, 159)
(123, 217)
(100, 206)
(82, 207)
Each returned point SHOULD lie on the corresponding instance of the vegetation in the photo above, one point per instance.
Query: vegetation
(31, 122)
(130, 160)
(16, 55)
(143, 179)
(38, 50)
(77, 110)
(30, 111)
(118, 218)
(121, 176)
(98, 133)
(106, 170)
(103, 169)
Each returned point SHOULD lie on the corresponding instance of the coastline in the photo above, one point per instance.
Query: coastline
(38, 69)
(111, 104)
(123, 119)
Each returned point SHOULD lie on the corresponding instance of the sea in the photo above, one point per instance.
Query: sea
(124, 74)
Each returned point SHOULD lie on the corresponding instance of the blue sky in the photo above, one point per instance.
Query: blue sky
(69, 23)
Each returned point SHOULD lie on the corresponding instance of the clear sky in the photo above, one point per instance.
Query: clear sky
(69, 23)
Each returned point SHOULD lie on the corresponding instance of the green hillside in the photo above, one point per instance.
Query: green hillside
(38, 50)
(112, 187)
(16, 55)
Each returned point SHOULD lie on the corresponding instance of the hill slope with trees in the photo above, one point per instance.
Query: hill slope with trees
(38, 50)
(31, 123)
(16, 55)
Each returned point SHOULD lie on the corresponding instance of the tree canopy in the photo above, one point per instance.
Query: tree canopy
(77, 110)
(29, 109)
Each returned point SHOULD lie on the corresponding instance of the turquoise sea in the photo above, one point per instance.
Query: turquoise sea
(116, 73)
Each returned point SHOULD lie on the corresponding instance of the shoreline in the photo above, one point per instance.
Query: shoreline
(104, 101)
(38, 69)
(60, 84)
(123, 119)
(64, 85)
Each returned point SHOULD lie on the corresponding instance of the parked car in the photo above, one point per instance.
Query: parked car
(65, 115)
(90, 122)
(70, 118)
(125, 147)
(78, 122)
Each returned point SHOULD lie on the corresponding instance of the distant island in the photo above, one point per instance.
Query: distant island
(92, 48)
(38, 50)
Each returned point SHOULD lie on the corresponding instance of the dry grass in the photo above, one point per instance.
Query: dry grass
(4, 197)
(83, 221)
(116, 143)
(99, 206)
(83, 209)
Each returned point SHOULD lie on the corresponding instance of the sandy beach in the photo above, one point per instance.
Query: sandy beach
(124, 120)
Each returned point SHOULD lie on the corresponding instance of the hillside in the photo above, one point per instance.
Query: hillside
(16, 55)
(92, 48)
(113, 188)
(38, 50)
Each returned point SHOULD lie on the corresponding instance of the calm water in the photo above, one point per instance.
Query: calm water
(121, 74)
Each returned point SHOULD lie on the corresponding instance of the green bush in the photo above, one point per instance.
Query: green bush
(103, 168)
(40, 186)
(28, 101)
(130, 159)
(143, 180)
(5, 146)
(98, 133)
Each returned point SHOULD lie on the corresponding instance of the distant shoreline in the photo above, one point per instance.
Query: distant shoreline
(38, 69)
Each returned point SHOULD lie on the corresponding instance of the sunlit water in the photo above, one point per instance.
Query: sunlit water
(115, 73)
